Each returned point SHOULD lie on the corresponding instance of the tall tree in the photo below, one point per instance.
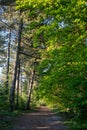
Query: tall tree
(12, 90)
(30, 86)
(8, 60)
(17, 84)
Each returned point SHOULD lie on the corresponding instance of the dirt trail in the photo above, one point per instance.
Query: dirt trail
(43, 119)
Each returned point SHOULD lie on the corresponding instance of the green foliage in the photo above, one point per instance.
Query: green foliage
(6, 119)
(63, 83)
(63, 65)
(3, 98)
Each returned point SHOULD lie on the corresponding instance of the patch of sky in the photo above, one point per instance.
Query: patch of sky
(46, 69)
(48, 21)
(4, 21)
(0, 70)
(1, 10)
(85, 42)
(4, 33)
(62, 24)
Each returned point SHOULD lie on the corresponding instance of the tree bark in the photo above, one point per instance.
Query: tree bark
(12, 90)
(18, 81)
(21, 82)
(30, 90)
(8, 61)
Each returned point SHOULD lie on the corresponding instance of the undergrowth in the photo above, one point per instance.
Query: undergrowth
(6, 119)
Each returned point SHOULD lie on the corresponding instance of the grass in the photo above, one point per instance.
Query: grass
(75, 125)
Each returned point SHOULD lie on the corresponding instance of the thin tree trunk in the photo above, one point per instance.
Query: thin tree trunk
(29, 95)
(12, 90)
(17, 81)
(30, 90)
(21, 83)
(8, 61)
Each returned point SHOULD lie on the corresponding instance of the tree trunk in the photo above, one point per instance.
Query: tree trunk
(30, 90)
(12, 90)
(8, 61)
(21, 82)
(17, 81)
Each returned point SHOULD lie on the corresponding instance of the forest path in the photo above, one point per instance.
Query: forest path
(42, 119)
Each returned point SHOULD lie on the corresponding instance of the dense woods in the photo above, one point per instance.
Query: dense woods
(43, 56)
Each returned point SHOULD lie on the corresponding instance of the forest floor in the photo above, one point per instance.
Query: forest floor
(41, 119)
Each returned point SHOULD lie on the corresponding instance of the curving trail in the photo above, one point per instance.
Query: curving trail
(43, 119)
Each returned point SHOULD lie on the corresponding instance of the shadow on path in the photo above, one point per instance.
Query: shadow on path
(43, 119)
